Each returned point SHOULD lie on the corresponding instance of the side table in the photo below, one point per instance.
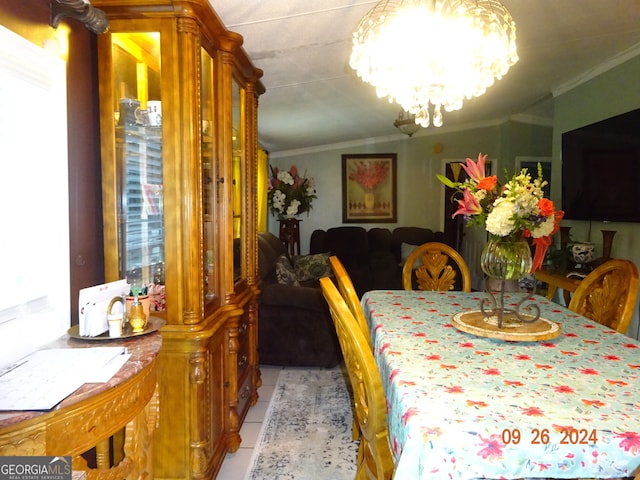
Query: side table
(557, 280)
(290, 234)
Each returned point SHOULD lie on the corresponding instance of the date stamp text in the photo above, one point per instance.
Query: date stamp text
(573, 436)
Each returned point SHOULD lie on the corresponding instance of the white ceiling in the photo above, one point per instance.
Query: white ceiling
(313, 97)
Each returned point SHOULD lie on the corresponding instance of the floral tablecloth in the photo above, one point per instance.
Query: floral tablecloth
(462, 406)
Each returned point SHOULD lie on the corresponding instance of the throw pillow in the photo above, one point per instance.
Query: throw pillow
(285, 272)
(312, 267)
(405, 251)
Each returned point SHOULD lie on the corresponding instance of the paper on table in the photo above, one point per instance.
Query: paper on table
(43, 379)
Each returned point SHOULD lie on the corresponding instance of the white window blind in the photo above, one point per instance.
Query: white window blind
(34, 204)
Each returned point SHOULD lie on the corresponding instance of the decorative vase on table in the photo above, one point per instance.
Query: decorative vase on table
(506, 259)
(503, 260)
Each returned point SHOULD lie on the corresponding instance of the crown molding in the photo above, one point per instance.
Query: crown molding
(423, 132)
(613, 62)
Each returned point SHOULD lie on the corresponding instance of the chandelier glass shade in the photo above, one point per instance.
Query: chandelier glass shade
(406, 123)
(438, 52)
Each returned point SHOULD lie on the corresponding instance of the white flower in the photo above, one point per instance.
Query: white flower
(285, 177)
(279, 199)
(500, 220)
(293, 208)
(545, 228)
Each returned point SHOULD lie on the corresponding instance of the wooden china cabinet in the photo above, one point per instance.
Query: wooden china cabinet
(178, 120)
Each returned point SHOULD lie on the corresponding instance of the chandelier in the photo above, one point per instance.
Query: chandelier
(406, 123)
(438, 52)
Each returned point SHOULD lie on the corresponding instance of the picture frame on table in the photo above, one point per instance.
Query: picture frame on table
(369, 188)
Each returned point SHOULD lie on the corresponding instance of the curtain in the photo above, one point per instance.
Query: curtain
(263, 181)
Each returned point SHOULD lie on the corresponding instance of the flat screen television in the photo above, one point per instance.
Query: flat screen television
(601, 170)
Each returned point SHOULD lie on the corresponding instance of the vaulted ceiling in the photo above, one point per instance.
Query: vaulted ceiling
(314, 98)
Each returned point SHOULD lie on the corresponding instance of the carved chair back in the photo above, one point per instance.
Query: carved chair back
(608, 294)
(435, 270)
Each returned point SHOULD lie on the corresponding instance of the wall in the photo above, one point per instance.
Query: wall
(611, 93)
(420, 194)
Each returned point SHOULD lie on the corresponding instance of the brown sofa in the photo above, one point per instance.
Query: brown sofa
(373, 258)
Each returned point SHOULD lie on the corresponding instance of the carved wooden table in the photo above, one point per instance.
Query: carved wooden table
(557, 280)
(125, 408)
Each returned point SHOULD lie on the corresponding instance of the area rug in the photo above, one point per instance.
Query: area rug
(307, 431)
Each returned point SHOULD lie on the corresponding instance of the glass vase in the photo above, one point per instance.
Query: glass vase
(506, 259)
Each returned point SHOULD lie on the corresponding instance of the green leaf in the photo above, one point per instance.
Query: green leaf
(446, 181)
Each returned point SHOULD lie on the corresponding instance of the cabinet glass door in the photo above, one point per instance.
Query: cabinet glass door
(138, 118)
(210, 184)
(238, 176)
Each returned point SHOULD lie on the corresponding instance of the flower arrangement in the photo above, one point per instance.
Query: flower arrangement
(512, 211)
(290, 194)
(369, 174)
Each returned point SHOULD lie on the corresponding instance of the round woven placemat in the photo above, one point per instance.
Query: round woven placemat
(513, 330)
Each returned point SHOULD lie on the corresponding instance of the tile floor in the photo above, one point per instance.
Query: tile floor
(236, 464)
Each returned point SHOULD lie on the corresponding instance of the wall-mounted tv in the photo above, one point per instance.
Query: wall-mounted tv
(601, 170)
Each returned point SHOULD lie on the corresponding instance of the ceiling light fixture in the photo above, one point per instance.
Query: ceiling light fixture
(406, 123)
(417, 52)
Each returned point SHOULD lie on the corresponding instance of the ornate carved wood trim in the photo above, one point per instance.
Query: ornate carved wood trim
(94, 19)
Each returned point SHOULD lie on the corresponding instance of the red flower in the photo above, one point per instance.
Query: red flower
(533, 412)
(448, 367)
(488, 183)
(589, 371)
(513, 383)
(492, 447)
(630, 442)
(546, 207)
(370, 173)
(564, 389)
(593, 403)
(543, 366)
(454, 389)
(611, 357)
(491, 371)
(619, 383)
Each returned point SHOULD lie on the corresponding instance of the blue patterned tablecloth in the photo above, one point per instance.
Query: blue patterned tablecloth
(462, 406)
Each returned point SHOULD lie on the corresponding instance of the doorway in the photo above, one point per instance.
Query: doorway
(469, 242)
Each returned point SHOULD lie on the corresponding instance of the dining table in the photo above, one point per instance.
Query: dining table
(464, 406)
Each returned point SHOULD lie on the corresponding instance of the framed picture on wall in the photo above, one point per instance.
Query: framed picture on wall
(369, 185)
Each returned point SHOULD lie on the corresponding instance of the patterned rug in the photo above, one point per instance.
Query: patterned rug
(307, 431)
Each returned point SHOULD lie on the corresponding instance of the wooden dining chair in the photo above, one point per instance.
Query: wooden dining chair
(348, 292)
(608, 294)
(375, 460)
(435, 270)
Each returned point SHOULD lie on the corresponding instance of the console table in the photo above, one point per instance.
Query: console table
(557, 280)
(126, 404)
